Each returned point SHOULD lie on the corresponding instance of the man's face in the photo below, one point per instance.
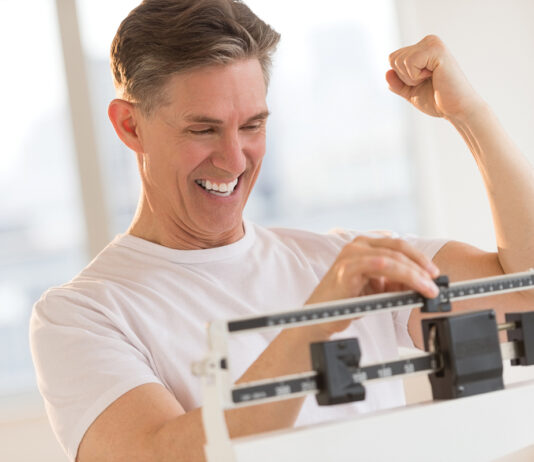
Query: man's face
(203, 152)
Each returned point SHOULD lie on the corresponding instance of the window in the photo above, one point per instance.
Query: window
(336, 156)
(41, 226)
(337, 145)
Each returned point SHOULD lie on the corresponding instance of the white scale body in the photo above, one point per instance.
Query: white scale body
(483, 427)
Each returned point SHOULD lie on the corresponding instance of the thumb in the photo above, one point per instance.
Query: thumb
(396, 85)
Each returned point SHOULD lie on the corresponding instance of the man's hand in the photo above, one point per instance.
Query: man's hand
(428, 76)
(373, 265)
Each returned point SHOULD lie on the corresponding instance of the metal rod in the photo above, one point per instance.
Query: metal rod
(507, 326)
(360, 306)
(305, 383)
(295, 385)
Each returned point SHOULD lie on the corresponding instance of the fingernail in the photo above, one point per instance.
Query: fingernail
(432, 287)
(433, 270)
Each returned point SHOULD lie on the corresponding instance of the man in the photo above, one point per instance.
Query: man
(113, 347)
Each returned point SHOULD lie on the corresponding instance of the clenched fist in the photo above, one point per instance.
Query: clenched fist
(428, 76)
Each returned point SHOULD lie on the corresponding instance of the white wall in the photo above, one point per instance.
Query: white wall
(493, 42)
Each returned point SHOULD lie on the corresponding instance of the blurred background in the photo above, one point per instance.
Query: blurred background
(342, 151)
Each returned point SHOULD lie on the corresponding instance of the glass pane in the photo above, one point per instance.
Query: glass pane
(41, 223)
(337, 145)
(99, 20)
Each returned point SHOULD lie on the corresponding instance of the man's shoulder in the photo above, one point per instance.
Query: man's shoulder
(335, 238)
(92, 286)
(313, 246)
(312, 242)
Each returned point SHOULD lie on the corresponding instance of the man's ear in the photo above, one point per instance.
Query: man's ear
(124, 117)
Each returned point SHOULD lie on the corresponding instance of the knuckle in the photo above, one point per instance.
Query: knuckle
(391, 254)
(341, 270)
(356, 246)
(340, 265)
(377, 262)
(360, 239)
(432, 38)
(397, 244)
(434, 41)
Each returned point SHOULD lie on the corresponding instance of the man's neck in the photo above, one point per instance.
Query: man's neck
(168, 233)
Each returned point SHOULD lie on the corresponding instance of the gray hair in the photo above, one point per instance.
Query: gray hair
(162, 38)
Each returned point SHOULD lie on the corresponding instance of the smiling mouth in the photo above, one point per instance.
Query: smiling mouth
(218, 189)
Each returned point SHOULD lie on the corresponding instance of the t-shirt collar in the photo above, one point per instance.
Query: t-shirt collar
(190, 256)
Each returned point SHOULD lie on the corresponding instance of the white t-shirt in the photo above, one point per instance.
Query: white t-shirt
(138, 313)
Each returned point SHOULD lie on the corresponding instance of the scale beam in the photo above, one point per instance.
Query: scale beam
(394, 301)
(337, 376)
(307, 383)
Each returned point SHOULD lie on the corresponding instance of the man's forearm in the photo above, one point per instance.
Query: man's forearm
(509, 180)
(183, 438)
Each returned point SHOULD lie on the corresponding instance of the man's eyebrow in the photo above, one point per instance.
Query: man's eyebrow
(201, 119)
(260, 116)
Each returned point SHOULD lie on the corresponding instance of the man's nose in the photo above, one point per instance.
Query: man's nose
(230, 156)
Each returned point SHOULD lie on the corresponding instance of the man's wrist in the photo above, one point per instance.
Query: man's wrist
(474, 112)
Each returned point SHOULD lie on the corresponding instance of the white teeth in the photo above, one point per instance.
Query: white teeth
(219, 189)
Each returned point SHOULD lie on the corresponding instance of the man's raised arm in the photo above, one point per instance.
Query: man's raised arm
(427, 75)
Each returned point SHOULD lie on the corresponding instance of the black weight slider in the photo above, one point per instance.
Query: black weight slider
(333, 362)
(471, 360)
(442, 302)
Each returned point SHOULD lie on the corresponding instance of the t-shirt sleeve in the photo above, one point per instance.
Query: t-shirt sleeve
(84, 361)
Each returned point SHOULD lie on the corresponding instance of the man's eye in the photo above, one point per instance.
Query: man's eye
(206, 131)
(252, 127)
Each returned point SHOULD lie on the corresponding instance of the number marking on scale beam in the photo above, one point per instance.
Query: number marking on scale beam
(393, 301)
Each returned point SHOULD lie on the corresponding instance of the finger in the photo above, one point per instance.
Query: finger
(396, 85)
(391, 286)
(394, 248)
(416, 71)
(403, 247)
(401, 259)
(423, 54)
(375, 267)
(399, 66)
(412, 63)
(378, 285)
(394, 56)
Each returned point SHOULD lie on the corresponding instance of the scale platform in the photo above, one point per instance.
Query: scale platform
(484, 427)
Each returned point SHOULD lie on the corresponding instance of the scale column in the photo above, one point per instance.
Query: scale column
(217, 395)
